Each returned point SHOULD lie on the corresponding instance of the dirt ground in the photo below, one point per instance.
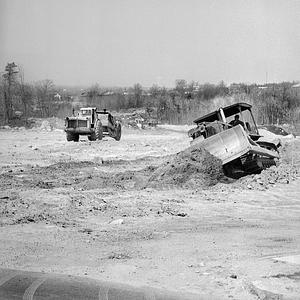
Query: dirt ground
(105, 210)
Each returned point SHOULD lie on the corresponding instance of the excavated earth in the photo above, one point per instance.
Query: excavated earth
(193, 167)
(149, 210)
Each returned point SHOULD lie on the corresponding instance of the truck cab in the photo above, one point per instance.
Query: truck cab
(89, 113)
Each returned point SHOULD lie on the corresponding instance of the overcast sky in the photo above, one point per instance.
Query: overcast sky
(122, 42)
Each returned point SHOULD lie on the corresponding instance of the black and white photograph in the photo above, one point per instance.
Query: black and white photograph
(149, 149)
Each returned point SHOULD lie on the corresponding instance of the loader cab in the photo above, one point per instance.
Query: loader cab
(228, 116)
(241, 114)
(245, 120)
(89, 113)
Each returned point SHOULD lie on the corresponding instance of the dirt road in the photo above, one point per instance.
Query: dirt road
(86, 209)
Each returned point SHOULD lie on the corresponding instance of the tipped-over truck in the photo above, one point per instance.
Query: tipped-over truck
(230, 133)
(93, 123)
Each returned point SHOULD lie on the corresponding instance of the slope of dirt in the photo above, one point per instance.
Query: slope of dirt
(286, 170)
(283, 173)
(191, 167)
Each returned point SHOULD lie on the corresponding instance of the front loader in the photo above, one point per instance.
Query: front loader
(235, 140)
(93, 123)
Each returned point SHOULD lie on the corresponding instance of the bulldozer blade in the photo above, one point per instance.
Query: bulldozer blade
(231, 144)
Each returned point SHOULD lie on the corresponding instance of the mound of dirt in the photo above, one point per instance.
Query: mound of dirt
(191, 167)
(286, 170)
(283, 173)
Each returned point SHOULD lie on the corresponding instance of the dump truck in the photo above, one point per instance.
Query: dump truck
(230, 133)
(94, 123)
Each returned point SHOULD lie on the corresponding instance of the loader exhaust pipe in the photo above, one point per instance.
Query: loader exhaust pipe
(23, 285)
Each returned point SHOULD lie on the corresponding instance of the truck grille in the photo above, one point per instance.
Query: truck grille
(77, 123)
(82, 123)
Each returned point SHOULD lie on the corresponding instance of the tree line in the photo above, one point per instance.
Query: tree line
(21, 100)
(272, 103)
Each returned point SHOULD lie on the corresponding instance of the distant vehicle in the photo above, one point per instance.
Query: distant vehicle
(230, 133)
(93, 123)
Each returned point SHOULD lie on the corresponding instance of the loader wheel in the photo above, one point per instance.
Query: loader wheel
(70, 136)
(92, 137)
(76, 138)
(118, 132)
(99, 131)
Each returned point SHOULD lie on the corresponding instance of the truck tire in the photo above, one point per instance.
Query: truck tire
(92, 137)
(99, 131)
(70, 136)
(76, 138)
(118, 132)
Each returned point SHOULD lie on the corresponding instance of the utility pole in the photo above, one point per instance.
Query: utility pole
(10, 69)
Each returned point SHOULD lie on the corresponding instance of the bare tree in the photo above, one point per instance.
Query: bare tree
(44, 96)
(25, 92)
(138, 90)
(157, 91)
(9, 81)
(180, 86)
(2, 104)
(154, 90)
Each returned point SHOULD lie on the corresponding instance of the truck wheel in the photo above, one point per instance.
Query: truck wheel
(76, 138)
(92, 137)
(99, 131)
(118, 132)
(70, 136)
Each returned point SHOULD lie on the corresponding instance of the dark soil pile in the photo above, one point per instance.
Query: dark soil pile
(193, 167)
(286, 170)
(276, 174)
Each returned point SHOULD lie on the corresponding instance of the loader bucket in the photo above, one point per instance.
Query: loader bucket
(231, 144)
